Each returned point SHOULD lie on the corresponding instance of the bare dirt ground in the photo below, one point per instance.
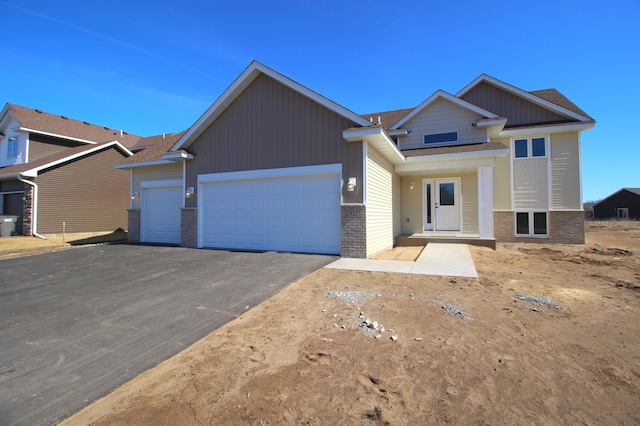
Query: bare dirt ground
(549, 334)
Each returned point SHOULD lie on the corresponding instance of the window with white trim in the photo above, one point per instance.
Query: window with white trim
(12, 147)
(532, 223)
(530, 148)
(440, 138)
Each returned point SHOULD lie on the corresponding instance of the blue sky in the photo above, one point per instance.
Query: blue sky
(149, 67)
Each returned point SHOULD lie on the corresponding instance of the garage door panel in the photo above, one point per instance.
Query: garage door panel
(287, 214)
(160, 216)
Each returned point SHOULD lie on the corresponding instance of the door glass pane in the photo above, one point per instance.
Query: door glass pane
(522, 223)
(446, 194)
(540, 223)
(428, 203)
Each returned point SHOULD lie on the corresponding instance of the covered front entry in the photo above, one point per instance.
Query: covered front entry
(441, 204)
(294, 209)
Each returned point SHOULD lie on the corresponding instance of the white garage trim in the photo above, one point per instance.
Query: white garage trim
(160, 211)
(292, 209)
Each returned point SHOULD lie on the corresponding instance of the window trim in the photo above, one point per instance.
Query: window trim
(444, 143)
(624, 216)
(530, 140)
(531, 222)
(13, 147)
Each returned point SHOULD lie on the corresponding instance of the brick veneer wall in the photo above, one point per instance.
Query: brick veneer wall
(354, 231)
(189, 227)
(27, 210)
(133, 225)
(564, 228)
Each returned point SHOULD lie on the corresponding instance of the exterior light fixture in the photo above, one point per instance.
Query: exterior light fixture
(134, 196)
(189, 192)
(412, 185)
(351, 184)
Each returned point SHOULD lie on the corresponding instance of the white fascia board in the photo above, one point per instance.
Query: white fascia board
(442, 94)
(144, 164)
(379, 139)
(492, 122)
(398, 132)
(172, 156)
(454, 164)
(523, 94)
(240, 84)
(458, 156)
(55, 135)
(9, 176)
(34, 172)
(323, 169)
(554, 128)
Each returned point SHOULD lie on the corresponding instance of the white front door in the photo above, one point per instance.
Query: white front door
(441, 204)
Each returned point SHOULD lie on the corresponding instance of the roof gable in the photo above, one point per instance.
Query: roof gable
(440, 94)
(243, 82)
(36, 121)
(521, 107)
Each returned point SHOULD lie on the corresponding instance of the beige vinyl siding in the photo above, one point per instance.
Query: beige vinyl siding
(411, 213)
(42, 146)
(517, 110)
(469, 192)
(155, 173)
(531, 184)
(272, 126)
(397, 206)
(502, 180)
(88, 194)
(565, 171)
(442, 116)
(379, 217)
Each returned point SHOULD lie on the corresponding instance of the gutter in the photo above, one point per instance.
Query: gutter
(34, 209)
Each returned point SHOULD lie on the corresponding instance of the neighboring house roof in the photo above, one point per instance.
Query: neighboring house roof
(36, 121)
(153, 154)
(155, 140)
(240, 84)
(32, 168)
(635, 191)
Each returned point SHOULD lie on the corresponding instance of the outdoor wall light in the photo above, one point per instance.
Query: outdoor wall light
(189, 192)
(134, 196)
(412, 185)
(351, 184)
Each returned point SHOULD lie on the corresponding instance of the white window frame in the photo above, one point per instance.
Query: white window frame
(456, 142)
(13, 147)
(530, 147)
(531, 214)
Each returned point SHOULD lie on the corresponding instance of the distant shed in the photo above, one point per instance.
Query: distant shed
(622, 205)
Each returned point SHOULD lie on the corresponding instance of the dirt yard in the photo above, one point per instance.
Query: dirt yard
(546, 335)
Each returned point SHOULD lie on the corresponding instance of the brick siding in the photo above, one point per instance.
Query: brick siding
(354, 231)
(189, 227)
(133, 224)
(565, 227)
(28, 210)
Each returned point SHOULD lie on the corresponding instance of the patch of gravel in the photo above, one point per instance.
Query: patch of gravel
(455, 310)
(349, 297)
(541, 302)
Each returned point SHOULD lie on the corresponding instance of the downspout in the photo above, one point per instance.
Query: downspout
(34, 209)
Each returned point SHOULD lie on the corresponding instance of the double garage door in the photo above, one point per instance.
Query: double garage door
(281, 210)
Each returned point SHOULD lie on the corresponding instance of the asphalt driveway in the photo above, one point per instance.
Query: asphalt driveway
(76, 324)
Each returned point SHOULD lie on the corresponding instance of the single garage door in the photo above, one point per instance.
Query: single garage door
(298, 213)
(160, 215)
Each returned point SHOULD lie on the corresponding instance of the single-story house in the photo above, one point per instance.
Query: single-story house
(273, 165)
(57, 171)
(622, 205)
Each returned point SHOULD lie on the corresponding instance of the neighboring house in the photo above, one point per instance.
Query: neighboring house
(588, 210)
(272, 165)
(54, 169)
(622, 205)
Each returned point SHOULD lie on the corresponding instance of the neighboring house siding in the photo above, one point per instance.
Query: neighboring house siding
(531, 184)
(272, 126)
(442, 116)
(565, 171)
(88, 194)
(607, 208)
(146, 174)
(517, 110)
(41, 146)
(502, 180)
(469, 191)
(379, 217)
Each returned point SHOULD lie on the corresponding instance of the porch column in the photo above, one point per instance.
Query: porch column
(485, 201)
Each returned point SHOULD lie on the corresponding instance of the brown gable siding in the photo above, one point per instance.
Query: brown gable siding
(88, 194)
(517, 110)
(271, 126)
(41, 146)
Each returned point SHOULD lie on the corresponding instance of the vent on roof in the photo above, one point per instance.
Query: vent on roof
(38, 111)
(63, 117)
(87, 123)
(106, 128)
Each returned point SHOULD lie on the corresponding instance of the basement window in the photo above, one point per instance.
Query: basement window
(532, 224)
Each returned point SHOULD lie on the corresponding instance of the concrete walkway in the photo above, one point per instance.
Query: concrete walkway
(452, 260)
